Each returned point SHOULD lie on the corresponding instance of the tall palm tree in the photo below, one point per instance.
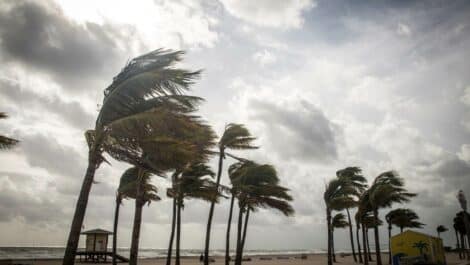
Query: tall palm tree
(387, 189)
(195, 182)
(258, 187)
(441, 229)
(237, 137)
(136, 185)
(338, 221)
(6, 142)
(338, 194)
(457, 244)
(401, 218)
(140, 97)
(370, 222)
(356, 180)
(235, 170)
(124, 191)
(358, 227)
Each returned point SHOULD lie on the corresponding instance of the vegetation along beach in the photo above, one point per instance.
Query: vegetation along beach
(234, 132)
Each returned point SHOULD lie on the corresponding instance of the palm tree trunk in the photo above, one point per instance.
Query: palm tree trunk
(139, 203)
(227, 237)
(376, 237)
(247, 215)
(458, 243)
(351, 235)
(115, 227)
(462, 244)
(358, 244)
(364, 242)
(80, 209)
(328, 223)
(368, 245)
(211, 210)
(178, 232)
(239, 235)
(467, 229)
(389, 238)
(172, 235)
(333, 244)
(401, 229)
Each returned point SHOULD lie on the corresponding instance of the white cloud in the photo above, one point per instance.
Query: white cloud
(403, 30)
(264, 57)
(466, 96)
(270, 13)
(464, 153)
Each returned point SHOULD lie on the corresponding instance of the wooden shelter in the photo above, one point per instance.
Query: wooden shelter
(96, 246)
(412, 247)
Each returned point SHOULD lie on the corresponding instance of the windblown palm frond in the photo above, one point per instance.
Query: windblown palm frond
(128, 185)
(236, 136)
(403, 218)
(6, 142)
(145, 82)
(339, 221)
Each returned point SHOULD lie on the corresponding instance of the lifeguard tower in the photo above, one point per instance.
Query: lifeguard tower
(96, 246)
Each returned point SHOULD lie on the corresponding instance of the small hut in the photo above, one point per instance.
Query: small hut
(412, 247)
(96, 245)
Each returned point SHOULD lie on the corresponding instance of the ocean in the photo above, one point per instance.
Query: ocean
(58, 252)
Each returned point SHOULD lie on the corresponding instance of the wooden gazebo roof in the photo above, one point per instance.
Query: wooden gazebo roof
(97, 231)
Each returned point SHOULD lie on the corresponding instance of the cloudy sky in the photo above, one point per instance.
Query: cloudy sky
(323, 85)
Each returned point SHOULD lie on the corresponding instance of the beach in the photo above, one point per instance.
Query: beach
(312, 259)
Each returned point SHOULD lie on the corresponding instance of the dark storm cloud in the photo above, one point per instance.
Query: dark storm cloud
(70, 112)
(33, 208)
(46, 152)
(303, 133)
(43, 39)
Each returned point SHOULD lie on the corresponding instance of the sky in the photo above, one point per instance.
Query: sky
(383, 85)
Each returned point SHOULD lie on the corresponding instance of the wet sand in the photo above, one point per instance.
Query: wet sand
(315, 259)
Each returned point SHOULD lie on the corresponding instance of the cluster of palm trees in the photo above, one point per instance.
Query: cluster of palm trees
(148, 121)
(350, 190)
(461, 235)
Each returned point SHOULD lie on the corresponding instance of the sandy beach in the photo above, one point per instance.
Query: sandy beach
(314, 259)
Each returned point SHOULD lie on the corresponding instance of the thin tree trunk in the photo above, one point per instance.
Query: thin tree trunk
(139, 203)
(377, 241)
(247, 216)
(172, 235)
(328, 223)
(239, 236)
(368, 245)
(115, 227)
(462, 244)
(80, 209)
(358, 244)
(364, 242)
(458, 243)
(401, 229)
(211, 210)
(389, 243)
(227, 237)
(178, 232)
(467, 229)
(351, 235)
(333, 244)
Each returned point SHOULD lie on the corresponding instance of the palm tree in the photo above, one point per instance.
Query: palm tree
(421, 245)
(6, 142)
(338, 221)
(195, 182)
(459, 225)
(338, 193)
(441, 229)
(136, 185)
(401, 218)
(358, 227)
(235, 170)
(354, 177)
(146, 92)
(387, 189)
(124, 191)
(258, 187)
(237, 137)
(457, 245)
(370, 221)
